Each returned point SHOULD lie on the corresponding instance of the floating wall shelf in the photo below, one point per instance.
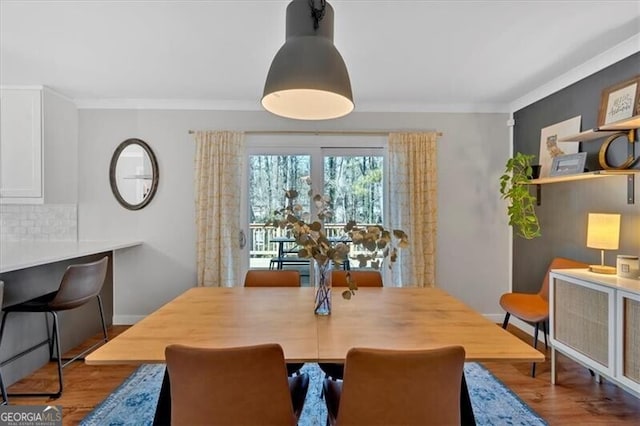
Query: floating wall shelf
(630, 175)
(605, 130)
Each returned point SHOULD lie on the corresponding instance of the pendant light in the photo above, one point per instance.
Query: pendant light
(308, 79)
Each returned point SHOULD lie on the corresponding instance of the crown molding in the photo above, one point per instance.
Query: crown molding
(593, 65)
(408, 107)
(168, 104)
(237, 105)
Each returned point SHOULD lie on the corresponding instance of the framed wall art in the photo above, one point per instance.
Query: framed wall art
(620, 101)
(551, 148)
(569, 164)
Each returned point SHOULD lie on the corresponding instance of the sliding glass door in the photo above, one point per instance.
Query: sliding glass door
(269, 176)
(352, 178)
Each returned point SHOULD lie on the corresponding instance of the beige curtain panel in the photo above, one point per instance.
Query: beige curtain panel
(218, 173)
(413, 201)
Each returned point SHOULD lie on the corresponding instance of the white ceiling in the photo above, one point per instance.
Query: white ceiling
(401, 55)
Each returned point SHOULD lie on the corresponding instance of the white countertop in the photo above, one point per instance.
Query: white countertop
(628, 284)
(20, 255)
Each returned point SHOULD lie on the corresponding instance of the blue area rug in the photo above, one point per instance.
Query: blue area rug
(134, 402)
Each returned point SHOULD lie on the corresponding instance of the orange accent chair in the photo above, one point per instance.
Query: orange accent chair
(271, 278)
(391, 387)
(534, 308)
(233, 386)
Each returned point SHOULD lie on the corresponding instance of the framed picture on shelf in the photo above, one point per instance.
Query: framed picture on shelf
(569, 164)
(551, 148)
(620, 101)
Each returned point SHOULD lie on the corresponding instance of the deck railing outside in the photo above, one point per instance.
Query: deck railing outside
(261, 238)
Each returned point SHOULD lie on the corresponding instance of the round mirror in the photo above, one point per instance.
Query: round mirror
(133, 174)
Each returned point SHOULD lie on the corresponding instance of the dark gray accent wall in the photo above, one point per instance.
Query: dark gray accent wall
(564, 209)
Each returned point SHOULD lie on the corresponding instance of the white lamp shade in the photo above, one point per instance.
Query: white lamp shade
(603, 231)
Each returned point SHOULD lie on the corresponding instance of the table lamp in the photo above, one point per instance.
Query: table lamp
(603, 232)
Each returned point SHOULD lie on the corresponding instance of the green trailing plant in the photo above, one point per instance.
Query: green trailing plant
(514, 188)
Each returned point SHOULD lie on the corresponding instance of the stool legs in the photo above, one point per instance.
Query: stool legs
(56, 337)
(54, 345)
(5, 398)
(105, 338)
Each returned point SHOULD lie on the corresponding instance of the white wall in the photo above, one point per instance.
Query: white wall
(473, 237)
(60, 150)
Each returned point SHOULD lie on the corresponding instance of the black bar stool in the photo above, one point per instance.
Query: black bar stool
(3, 390)
(80, 284)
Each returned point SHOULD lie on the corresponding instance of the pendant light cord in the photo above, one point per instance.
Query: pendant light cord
(317, 14)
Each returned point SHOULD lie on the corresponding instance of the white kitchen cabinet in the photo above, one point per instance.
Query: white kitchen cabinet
(595, 320)
(21, 145)
(38, 147)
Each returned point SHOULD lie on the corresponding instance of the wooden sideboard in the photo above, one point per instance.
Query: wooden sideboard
(595, 320)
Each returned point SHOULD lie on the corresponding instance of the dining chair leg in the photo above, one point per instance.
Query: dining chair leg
(544, 330)
(506, 320)
(535, 346)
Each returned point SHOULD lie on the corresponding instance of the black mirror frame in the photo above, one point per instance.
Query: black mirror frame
(154, 170)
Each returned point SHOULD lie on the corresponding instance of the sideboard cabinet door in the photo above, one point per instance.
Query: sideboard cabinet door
(583, 323)
(628, 365)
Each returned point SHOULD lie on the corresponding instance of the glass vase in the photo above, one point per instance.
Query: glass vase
(322, 280)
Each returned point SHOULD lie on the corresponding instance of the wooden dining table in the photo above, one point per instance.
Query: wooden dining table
(389, 318)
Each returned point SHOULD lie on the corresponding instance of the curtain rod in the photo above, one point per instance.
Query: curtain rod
(320, 132)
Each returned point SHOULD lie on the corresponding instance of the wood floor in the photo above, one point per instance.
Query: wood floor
(576, 400)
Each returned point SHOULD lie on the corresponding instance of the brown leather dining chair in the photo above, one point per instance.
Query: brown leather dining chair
(272, 278)
(233, 386)
(534, 308)
(80, 284)
(392, 387)
(339, 279)
(361, 278)
(275, 278)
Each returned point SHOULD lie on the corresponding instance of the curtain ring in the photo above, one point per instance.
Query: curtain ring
(602, 155)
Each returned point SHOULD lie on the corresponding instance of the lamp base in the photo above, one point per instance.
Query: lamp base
(602, 269)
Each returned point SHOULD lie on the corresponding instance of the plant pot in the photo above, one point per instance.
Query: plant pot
(535, 171)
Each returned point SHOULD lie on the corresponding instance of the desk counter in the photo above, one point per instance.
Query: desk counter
(31, 269)
(21, 255)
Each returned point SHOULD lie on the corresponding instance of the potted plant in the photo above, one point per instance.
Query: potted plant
(514, 188)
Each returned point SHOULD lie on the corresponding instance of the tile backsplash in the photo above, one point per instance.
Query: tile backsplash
(38, 222)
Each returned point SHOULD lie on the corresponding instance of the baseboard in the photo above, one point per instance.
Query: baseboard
(126, 319)
(497, 318)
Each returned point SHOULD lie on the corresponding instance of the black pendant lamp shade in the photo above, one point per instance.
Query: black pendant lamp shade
(308, 79)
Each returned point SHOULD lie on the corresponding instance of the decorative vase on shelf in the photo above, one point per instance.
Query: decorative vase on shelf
(322, 280)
